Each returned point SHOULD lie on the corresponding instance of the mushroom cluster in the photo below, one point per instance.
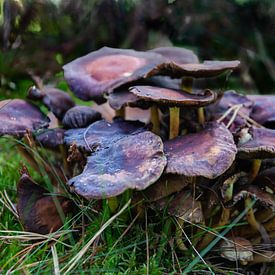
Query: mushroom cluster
(203, 156)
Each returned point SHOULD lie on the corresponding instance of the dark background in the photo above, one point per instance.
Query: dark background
(38, 37)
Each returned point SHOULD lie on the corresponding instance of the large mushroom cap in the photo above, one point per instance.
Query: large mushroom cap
(264, 109)
(177, 54)
(169, 97)
(51, 138)
(106, 69)
(133, 162)
(80, 117)
(37, 210)
(17, 116)
(259, 145)
(102, 133)
(208, 153)
(201, 70)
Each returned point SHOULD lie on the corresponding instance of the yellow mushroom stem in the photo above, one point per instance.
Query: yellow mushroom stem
(113, 204)
(201, 116)
(120, 112)
(256, 166)
(174, 122)
(180, 244)
(155, 119)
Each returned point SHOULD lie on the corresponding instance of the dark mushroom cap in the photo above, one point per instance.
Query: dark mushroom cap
(17, 115)
(255, 192)
(166, 185)
(169, 97)
(106, 69)
(102, 133)
(208, 153)
(57, 101)
(51, 138)
(266, 179)
(237, 249)
(123, 98)
(260, 145)
(205, 69)
(264, 109)
(183, 206)
(133, 162)
(177, 54)
(36, 209)
(80, 117)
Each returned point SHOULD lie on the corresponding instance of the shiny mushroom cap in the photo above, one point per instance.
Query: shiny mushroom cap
(201, 70)
(104, 70)
(80, 117)
(133, 162)
(51, 138)
(17, 116)
(169, 97)
(258, 143)
(208, 153)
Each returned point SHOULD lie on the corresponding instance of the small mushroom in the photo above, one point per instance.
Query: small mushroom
(102, 134)
(51, 138)
(258, 144)
(38, 211)
(237, 249)
(208, 153)
(196, 70)
(133, 162)
(173, 99)
(104, 70)
(80, 117)
(57, 101)
(17, 116)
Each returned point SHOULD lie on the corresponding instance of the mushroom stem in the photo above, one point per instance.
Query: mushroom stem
(120, 112)
(187, 84)
(178, 236)
(201, 116)
(155, 119)
(174, 122)
(256, 165)
(113, 204)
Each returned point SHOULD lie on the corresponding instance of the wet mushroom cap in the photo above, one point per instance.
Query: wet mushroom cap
(264, 109)
(133, 162)
(208, 153)
(169, 97)
(17, 115)
(201, 70)
(177, 54)
(237, 248)
(102, 133)
(260, 144)
(80, 117)
(37, 210)
(51, 138)
(104, 70)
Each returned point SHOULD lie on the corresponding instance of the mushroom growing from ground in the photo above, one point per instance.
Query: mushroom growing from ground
(57, 101)
(173, 99)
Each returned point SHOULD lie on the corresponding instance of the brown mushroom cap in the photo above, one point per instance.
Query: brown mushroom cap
(266, 179)
(201, 70)
(51, 138)
(133, 162)
(177, 55)
(260, 145)
(17, 115)
(80, 117)
(237, 248)
(102, 133)
(106, 69)
(264, 109)
(169, 97)
(183, 206)
(208, 153)
(37, 210)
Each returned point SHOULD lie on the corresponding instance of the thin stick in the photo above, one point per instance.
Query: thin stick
(55, 260)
